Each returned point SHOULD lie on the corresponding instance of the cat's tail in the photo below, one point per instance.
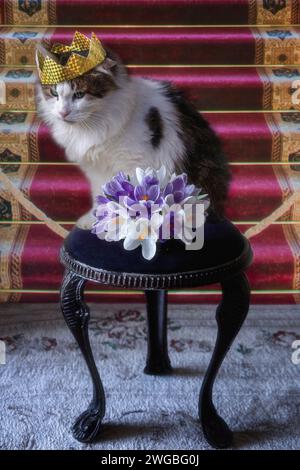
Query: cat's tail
(30, 207)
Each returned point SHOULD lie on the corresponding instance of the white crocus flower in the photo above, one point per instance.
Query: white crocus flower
(169, 201)
(116, 229)
(160, 174)
(143, 232)
(117, 226)
(184, 223)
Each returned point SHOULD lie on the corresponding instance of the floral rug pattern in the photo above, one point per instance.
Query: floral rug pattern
(44, 382)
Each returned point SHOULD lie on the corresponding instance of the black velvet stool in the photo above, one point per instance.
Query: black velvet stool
(224, 257)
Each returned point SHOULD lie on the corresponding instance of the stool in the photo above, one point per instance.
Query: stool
(224, 257)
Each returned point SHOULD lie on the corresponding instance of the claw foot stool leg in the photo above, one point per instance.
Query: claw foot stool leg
(230, 316)
(76, 314)
(158, 361)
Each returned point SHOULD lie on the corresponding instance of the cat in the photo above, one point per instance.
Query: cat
(107, 121)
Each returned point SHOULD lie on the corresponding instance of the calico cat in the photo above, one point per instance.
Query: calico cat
(108, 121)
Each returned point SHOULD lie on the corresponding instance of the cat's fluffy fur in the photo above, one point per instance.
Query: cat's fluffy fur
(126, 122)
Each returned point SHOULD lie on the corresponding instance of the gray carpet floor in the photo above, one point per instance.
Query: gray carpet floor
(44, 384)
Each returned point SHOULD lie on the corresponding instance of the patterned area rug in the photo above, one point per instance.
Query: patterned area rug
(44, 384)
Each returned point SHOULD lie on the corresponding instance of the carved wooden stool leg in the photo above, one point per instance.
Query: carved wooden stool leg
(76, 314)
(158, 361)
(230, 316)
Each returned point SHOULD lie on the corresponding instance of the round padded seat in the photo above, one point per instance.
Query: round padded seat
(225, 250)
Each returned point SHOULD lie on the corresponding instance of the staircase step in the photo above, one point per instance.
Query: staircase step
(70, 194)
(32, 264)
(246, 137)
(63, 193)
(210, 89)
(150, 12)
(166, 46)
(38, 248)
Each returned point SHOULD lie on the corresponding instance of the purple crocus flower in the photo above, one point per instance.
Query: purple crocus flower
(146, 195)
(103, 214)
(179, 188)
(117, 187)
(151, 202)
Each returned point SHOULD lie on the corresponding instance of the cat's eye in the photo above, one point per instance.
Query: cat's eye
(53, 92)
(78, 95)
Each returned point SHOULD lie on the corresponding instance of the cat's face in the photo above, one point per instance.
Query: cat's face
(73, 101)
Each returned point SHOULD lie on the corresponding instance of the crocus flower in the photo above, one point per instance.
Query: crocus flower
(112, 221)
(151, 176)
(144, 232)
(179, 188)
(148, 195)
(117, 187)
(148, 209)
(182, 222)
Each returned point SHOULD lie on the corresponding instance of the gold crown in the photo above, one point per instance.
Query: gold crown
(84, 54)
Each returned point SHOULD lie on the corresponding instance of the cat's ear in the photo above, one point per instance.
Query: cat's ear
(108, 63)
(106, 66)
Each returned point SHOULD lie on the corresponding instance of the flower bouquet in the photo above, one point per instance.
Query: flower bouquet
(150, 208)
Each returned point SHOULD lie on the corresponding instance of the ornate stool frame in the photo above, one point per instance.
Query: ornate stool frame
(230, 315)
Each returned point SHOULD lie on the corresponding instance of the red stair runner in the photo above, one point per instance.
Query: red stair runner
(217, 89)
(153, 12)
(232, 72)
(164, 46)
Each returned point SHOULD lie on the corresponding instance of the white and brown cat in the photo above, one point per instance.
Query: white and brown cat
(108, 121)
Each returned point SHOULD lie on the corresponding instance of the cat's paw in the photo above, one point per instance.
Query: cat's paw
(86, 221)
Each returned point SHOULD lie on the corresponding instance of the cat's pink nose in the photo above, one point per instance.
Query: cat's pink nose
(64, 113)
